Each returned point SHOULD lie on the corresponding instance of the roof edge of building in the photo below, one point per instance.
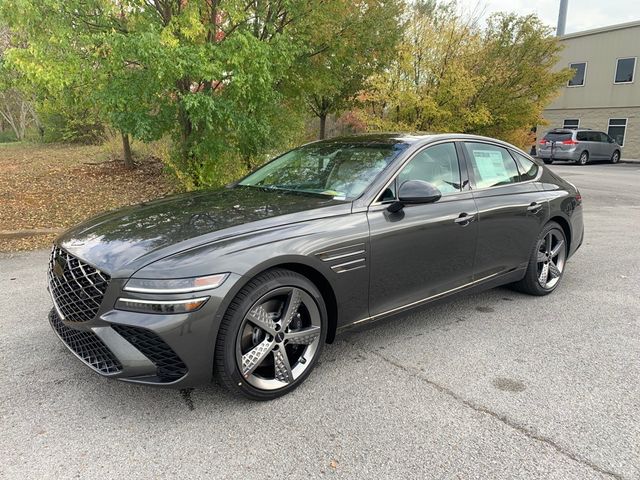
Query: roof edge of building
(595, 31)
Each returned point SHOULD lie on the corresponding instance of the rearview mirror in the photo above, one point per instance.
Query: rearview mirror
(418, 191)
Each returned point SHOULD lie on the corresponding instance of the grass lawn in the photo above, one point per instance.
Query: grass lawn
(56, 186)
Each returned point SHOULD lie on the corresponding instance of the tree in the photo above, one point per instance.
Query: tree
(451, 74)
(16, 110)
(223, 77)
(368, 33)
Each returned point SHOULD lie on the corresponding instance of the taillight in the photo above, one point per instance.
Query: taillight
(569, 142)
(543, 142)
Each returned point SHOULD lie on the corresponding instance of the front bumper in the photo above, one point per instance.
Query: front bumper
(174, 350)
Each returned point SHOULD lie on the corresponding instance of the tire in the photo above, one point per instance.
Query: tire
(615, 158)
(584, 158)
(271, 336)
(547, 161)
(534, 283)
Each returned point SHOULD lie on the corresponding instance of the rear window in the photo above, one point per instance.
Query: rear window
(557, 137)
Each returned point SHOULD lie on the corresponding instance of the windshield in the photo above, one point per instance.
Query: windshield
(339, 170)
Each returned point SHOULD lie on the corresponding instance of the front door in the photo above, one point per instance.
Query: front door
(427, 249)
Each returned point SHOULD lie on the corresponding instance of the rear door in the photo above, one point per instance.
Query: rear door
(511, 208)
(596, 147)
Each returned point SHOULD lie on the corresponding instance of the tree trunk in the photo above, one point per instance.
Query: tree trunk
(323, 125)
(126, 148)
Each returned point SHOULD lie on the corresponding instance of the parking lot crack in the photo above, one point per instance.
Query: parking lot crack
(500, 417)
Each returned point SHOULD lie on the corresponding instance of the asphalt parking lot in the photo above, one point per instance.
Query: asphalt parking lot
(488, 386)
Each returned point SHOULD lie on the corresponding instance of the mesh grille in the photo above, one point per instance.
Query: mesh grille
(87, 345)
(77, 288)
(170, 366)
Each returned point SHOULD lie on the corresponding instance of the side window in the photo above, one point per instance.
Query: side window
(437, 165)
(582, 136)
(492, 165)
(604, 138)
(625, 70)
(528, 168)
(578, 77)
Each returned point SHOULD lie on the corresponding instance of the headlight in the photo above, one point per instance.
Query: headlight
(161, 306)
(175, 285)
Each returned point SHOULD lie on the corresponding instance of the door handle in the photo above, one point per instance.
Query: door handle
(464, 219)
(534, 207)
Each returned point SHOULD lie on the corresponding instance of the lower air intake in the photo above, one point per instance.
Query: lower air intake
(169, 365)
(86, 345)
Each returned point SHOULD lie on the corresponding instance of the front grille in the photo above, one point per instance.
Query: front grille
(87, 345)
(77, 288)
(169, 365)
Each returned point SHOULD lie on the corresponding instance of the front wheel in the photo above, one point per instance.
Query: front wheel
(547, 262)
(615, 158)
(271, 336)
(547, 161)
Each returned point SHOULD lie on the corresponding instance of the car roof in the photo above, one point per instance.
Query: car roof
(392, 138)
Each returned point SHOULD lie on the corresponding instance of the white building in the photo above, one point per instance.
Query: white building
(604, 93)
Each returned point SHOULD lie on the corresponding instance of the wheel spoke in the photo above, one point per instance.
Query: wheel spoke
(305, 336)
(261, 318)
(282, 368)
(544, 275)
(254, 357)
(548, 242)
(557, 248)
(554, 270)
(541, 257)
(291, 307)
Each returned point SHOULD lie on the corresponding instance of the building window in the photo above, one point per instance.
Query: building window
(571, 123)
(617, 129)
(625, 70)
(578, 78)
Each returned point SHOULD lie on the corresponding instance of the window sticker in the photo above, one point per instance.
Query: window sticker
(490, 165)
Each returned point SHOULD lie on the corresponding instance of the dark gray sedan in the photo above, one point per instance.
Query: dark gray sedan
(249, 282)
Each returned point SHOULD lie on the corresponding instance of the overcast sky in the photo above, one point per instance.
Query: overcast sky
(582, 14)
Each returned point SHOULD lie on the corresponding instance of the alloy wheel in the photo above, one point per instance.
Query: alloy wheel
(615, 157)
(552, 253)
(584, 158)
(278, 338)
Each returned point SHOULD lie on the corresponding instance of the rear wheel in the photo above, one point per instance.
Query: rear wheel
(547, 161)
(271, 336)
(547, 262)
(615, 158)
(584, 158)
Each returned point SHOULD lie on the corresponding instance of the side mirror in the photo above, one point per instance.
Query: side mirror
(418, 191)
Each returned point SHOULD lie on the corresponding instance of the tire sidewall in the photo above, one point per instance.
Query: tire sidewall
(584, 155)
(265, 284)
(615, 158)
(533, 261)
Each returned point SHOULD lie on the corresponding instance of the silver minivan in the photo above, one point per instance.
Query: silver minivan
(578, 145)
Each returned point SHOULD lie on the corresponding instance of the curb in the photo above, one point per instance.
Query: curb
(28, 233)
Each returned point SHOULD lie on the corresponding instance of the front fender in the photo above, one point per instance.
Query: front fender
(336, 248)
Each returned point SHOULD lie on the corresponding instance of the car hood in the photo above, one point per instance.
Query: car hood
(122, 241)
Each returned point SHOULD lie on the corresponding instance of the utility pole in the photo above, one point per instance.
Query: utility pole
(562, 17)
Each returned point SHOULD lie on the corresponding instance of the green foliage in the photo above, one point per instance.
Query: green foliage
(230, 81)
(216, 75)
(368, 33)
(452, 75)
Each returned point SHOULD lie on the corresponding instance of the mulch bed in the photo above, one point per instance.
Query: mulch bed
(52, 187)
